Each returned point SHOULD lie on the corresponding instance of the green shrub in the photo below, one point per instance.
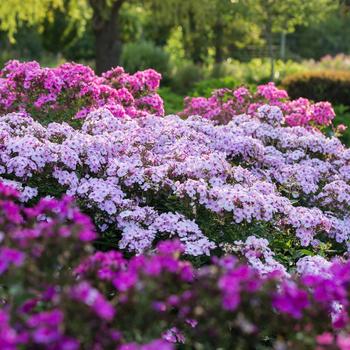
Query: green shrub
(143, 55)
(185, 77)
(205, 87)
(173, 103)
(332, 86)
(343, 117)
(256, 71)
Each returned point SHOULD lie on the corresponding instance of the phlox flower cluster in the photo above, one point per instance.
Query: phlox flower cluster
(224, 104)
(72, 90)
(259, 255)
(152, 178)
(57, 293)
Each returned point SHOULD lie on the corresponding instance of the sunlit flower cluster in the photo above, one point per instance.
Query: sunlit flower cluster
(73, 90)
(224, 104)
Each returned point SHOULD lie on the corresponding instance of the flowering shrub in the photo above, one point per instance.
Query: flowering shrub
(72, 90)
(210, 185)
(57, 293)
(224, 104)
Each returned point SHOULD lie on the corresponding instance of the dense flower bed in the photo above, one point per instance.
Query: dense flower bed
(250, 175)
(56, 294)
(72, 90)
(150, 178)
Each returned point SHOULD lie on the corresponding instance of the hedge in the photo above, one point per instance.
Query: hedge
(332, 86)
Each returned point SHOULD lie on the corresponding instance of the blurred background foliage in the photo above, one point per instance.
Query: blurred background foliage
(197, 45)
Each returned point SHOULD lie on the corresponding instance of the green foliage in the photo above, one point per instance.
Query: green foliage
(175, 46)
(66, 37)
(327, 37)
(143, 55)
(208, 28)
(220, 229)
(205, 87)
(202, 31)
(256, 71)
(283, 16)
(14, 13)
(132, 21)
(173, 102)
(81, 48)
(343, 117)
(192, 80)
(185, 77)
(279, 16)
(332, 86)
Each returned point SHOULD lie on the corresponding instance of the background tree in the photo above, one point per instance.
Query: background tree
(324, 38)
(106, 28)
(283, 16)
(229, 26)
(209, 27)
(211, 30)
(102, 14)
(58, 22)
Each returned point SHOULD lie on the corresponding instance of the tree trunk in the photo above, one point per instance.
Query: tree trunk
(106, 29)
(283, 46)
(218, 41)
(194, 39)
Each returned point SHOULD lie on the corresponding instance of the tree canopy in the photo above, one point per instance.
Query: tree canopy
(208, 27)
